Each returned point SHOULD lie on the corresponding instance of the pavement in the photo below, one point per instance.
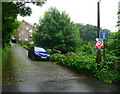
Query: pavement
(76, 85)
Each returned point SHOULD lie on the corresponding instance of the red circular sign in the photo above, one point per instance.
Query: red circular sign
(99, 42)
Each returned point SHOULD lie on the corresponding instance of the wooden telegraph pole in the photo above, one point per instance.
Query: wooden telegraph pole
(98, 58)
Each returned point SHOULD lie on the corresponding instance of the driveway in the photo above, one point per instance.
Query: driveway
(21, 69)
(22, 74)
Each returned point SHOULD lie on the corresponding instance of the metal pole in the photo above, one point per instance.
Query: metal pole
(98, 58)
(98, 18)
(104, 57)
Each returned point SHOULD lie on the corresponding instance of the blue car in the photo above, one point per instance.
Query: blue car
(38, 53)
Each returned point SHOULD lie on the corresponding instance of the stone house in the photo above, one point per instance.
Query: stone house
(24, 32)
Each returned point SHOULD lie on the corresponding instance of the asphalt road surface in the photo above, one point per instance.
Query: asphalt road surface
(22, 74)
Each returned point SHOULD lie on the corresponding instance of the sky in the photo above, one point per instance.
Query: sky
(80, 11)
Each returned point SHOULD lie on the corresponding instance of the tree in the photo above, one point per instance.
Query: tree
(87, 32)
(10, 10)
(0, 25)
(114, 42)
(113, 45)
(56, 31)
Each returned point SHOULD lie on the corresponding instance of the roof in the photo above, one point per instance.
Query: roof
(32, 24)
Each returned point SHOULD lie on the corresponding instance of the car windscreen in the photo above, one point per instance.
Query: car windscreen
(40, 49)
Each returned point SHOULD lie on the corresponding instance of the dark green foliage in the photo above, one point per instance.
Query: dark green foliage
(9, 22)
(86, 48)
(24, 10)
(0, 25)
(87, 65)
(56, 31)
(87, 32)
(5, 54)
(25, 46)
(88, 35)
(113, 46)
(49, 51)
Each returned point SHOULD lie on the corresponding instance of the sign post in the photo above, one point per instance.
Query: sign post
(103, 35)
(104, 53)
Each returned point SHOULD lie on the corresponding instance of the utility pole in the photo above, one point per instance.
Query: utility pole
(104, 57)
(98, 58)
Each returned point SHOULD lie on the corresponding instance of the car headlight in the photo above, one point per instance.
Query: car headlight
(48, 55)
(36, 54)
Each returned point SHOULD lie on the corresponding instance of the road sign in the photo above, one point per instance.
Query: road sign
(103, 34)
(99, 44)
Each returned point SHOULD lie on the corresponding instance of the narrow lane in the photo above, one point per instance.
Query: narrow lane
(22, 74)
(21, 69)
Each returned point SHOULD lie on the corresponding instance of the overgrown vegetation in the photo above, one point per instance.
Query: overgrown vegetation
(5, 53)
(25, 46)
(113, 47)
(0, 62)
(87, 65)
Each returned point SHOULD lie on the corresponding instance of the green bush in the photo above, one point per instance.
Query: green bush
(5, 53)
(0, 61)
(49, 51)
(4, 57)
(108, 75)
(25, 46)
(111, 57)
(57, 57)
(87, 65)
(31, 45)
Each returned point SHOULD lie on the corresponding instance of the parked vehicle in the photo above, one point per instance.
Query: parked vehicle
(38, 53)
(13, 40)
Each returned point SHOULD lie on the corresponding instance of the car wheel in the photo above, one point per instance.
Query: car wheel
(48, 59)
(33, 57)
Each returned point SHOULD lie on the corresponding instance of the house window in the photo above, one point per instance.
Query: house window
(26, 28)
(30, 33)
